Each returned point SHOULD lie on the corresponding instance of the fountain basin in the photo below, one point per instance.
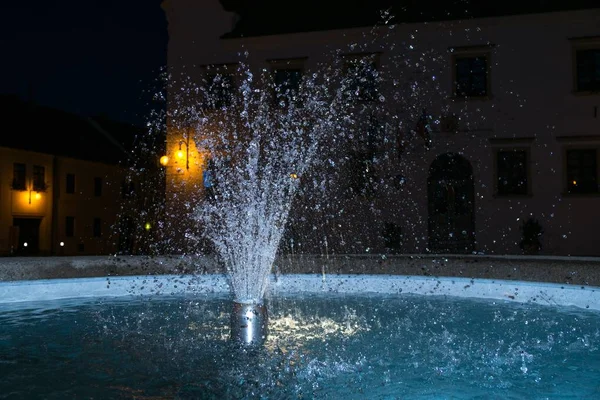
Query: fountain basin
(375, 336)
(582, 296)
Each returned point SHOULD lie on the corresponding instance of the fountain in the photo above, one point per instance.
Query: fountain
(325, 335)
(381, 336)
(259, 151)
(264, 141)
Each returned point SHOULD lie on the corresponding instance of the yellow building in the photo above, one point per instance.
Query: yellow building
(57, 205)
(183, 165)
(26, 200)
(67, 186)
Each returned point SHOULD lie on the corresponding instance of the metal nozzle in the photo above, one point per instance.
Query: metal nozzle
(249, 323)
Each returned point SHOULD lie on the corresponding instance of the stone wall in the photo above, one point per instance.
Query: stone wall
(567, 270)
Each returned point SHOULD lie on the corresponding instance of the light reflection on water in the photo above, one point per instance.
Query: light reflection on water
(318, 347)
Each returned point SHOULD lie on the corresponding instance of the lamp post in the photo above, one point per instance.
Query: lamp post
(33, 189)
(164, 160)
(180, 154)
(186, 142)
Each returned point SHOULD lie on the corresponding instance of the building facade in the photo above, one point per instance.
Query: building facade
(483, 134)
(54, 205)
(75, 191)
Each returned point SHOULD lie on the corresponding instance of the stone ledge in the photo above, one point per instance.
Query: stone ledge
(15, 295)
(565, 270)
(32, 268)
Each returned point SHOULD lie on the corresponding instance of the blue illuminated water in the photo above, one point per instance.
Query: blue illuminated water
(335, 346)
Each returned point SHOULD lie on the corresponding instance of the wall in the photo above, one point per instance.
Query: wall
(24, 203)
(54, 204)
(531, 98)
(85, 206)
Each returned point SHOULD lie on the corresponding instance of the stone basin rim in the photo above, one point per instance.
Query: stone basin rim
(544, 293)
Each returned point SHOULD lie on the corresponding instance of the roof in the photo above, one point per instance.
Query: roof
(272, 17)
(41, 129)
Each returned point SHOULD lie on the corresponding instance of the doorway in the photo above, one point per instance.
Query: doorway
(451, 205)
(27, 230)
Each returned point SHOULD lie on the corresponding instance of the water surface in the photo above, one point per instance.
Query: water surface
(335, 346)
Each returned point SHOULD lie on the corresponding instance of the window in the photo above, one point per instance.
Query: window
(70, 186)
(287, 77)
(19, 173)
(287, 84)
(97, 187)
(582, 171)
(69, 226)
(586, 64)
(512, 172)
(362, 76)
(471, 75)
(97, 227)
(219, 90)
(39, 178)
(362, 175)
(587, 73)
(127, 189)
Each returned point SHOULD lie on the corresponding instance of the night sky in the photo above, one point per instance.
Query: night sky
(103, 57)
(90, 57)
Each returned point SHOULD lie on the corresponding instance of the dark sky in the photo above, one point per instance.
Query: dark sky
(91, 57)
(103, 57)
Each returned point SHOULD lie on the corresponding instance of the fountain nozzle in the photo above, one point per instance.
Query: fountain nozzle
(249, 323)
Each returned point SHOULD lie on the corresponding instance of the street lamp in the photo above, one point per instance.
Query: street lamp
(187, 150)
(180, 154)
(33, 192)
(164, 160)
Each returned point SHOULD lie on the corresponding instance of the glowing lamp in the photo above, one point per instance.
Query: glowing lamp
(25, 244)
(164, 160)
(180, 154)
(147, 226)
(38, 196)
(575, 182)
(62, 244)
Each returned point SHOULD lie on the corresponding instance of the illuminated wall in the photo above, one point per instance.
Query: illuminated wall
(183, 172)
(52, 205)
(25, 203)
